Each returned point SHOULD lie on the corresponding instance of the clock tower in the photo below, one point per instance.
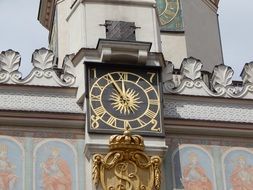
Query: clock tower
(118, 49)
(119, 101)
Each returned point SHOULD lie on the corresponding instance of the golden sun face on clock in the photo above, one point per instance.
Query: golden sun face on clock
(127, 102)
(124, 100)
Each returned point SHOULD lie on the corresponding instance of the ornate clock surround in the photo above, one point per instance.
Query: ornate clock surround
(121, 96)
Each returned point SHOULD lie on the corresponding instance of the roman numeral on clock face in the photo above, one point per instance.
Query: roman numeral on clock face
(123, 76)
(141, 122)
(127, 125)
(148, 89)
(112, 121)
(150, 114)
(153, 102)
(95, 97)
(99, 111)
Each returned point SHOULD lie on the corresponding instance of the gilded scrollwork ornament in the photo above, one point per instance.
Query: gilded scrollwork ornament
(126, 166)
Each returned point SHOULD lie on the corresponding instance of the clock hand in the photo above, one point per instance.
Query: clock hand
(123, 87)
(116, 85)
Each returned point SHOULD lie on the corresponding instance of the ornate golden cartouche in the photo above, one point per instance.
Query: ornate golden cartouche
(126, 166)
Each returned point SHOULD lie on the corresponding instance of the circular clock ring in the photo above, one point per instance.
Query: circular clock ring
(125, 98)
(169, 11)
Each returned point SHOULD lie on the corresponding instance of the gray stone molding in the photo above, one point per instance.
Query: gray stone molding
(208, 109)
(192, 81)
(39, 99)
(43, 73)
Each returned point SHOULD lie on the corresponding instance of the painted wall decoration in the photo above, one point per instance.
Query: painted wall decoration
(55, 166)
(203, 163)
(238, 169)
(193, 169)
(170, 14)
(11, 164)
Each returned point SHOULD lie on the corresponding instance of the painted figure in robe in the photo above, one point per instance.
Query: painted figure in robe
(242, 175)
(194, 175)
(7, 175)
(56, 172)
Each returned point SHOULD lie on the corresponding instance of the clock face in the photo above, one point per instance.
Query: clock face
(170, 15)
(121, 98)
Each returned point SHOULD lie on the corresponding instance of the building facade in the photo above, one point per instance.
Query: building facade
(129, 95)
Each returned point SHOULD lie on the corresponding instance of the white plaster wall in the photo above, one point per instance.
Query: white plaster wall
(202, 33)
(62, 10)
(144, 17)
(174, 47)
(76, 29)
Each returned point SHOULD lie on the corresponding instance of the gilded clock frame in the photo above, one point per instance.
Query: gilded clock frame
(97, 113)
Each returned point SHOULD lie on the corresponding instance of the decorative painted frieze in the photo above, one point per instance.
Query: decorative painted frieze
(44, 72)
(191, 80)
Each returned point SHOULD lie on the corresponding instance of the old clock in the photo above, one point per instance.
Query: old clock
(170, 15)
(123, 97)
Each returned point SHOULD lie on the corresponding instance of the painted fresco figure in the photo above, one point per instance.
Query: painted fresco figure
(242, 175)
(56, 172)
(194, 177)
(7, 175)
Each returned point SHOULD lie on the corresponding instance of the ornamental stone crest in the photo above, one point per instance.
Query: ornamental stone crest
(126, 166)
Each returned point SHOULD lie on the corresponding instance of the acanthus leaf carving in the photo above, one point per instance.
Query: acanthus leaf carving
(247, 73)
(43, 73)
(220, 83)
(167, 76)
(191, 68)
(221, 77)
(43, 59)
(9, 65)
(68, 75)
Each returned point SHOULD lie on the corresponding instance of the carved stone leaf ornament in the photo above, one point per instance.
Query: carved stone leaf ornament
(42, 74)
(126, 166)
(191, 68)
(247, 73)
(10, 61)
(43, 59)
(9, 65)
(222, 77)
(68, 69)
(190, 82)
(167, 76)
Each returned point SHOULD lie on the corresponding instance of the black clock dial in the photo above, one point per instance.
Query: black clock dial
(124, 98)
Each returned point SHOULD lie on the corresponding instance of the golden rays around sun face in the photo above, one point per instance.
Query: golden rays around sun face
(127, 102)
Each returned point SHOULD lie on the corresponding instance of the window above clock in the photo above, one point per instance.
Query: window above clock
(120, 30)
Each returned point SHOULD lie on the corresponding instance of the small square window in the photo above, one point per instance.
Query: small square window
(120, 30)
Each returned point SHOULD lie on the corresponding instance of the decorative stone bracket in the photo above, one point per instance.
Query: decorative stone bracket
(43, 73)
(192, 81)
(126, 166)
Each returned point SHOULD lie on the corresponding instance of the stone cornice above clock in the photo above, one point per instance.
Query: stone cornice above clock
(120, 51)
